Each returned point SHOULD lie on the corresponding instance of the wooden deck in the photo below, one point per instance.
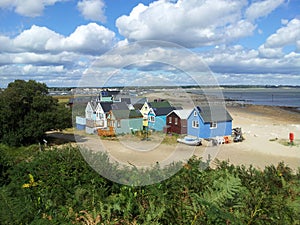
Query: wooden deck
(106, 132)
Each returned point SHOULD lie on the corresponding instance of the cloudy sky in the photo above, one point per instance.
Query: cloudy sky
(63, 42)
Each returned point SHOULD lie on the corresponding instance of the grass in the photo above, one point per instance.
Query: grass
(286, 142)
(170, 139)
(63, 98)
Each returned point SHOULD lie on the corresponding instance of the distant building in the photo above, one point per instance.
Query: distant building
(108, 95)
(82, 100)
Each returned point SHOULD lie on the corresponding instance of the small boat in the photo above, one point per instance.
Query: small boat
(194, 141)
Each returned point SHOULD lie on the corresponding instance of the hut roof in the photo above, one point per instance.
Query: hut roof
(126, 114)
(182, 114)
(214, 113)
(163, 104)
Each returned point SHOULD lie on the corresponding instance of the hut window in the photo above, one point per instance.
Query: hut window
(176, 120)
(89, 115)
(118, 123)
(195, 123)
(213, 125)
(152, 119)
(195, 113)
(170, 119)
(112, 123)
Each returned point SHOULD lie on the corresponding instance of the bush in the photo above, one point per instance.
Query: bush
(59, 187)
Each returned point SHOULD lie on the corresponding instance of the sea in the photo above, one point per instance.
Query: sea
(287, 97)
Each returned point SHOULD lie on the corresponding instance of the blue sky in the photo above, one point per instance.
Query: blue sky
(66, 42)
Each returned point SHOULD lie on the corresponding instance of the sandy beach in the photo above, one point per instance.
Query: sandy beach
(265, 129)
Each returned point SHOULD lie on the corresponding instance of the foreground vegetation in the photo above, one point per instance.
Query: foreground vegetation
(58, 187)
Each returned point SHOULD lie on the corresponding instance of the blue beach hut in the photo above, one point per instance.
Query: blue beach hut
(209, 121)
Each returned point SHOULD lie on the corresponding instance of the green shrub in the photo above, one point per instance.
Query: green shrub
(59, 187)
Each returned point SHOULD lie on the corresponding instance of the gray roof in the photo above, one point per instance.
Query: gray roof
(126, 100)
(82, 99)
(119, 106)
(93, 105)
(138, 106)
(182, 114)
(161, 104)
(126, 114)
(107, 106)
(132, 99)
(162, 111)
(214, 113)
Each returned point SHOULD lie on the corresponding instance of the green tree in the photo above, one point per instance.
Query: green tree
(27, 112)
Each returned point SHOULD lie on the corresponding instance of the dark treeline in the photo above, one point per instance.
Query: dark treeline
(27, 112)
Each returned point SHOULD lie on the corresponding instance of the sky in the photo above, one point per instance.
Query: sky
(68, 43)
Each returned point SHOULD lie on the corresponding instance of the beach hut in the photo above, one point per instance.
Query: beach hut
(80, 123)
(177, 121)
(96, 114)
(125, 121)
(155, 114)
(209, 122)
(157, 118)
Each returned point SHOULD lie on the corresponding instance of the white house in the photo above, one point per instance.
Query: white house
(95, 117)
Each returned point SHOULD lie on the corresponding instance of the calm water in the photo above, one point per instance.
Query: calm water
(263, 96)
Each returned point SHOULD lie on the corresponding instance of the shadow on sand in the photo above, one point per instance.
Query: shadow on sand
(59, 138)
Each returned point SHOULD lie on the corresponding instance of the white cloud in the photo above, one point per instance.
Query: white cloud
(287, 35)
(30, 69)
(31, 8)
(190, 23)
(270, 52)
(92, 9)
(241, 61)
(86, 39)
(262, 8)
(5, 44)
(44, 55)
(150, 55)
(257, 79)
(5, 3)
(240, 29)
(91, 38)
(223, 59)
(36, 39)
(298, 46)
(34, 58)
(194, 23)
(52, 75)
